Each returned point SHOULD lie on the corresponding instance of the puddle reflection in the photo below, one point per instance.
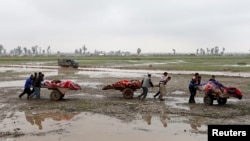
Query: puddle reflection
(196, 124)
(163, 119)
(76, 126)
(37, 118)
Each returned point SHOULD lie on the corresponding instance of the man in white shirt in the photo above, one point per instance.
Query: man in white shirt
(162, 84)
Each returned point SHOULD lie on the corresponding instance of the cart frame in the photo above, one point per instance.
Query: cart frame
(57, 93)
(127, 92)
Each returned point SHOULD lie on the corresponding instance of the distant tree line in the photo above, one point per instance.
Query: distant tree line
(35, 50)
(26, 51)
(213, 51)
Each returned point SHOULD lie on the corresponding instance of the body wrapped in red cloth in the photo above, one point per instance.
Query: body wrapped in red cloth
(122, 84)
(62, 84)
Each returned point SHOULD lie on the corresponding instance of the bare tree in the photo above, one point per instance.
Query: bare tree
(202, 51)
(216, 50)
(1, 49)
(212, 50)
(223, 50)
(25, 50)
(84, 49)
(48, 50)
(173, 51)
(34, 49)
(19, 50)
(76, 51)
(80, 50)
(208, 51)
(138, 51)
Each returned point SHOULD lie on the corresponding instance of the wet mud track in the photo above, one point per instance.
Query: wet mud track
(91, 101)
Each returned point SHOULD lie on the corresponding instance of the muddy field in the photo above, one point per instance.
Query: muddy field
(95, 114)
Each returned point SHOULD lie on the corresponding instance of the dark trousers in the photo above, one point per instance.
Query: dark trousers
(32, 91)
(192, 91)
(25, 91)
(144, 93)
(156, 94)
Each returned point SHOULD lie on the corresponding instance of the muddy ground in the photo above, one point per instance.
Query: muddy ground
(91, 98)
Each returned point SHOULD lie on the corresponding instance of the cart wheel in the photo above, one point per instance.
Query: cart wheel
(128, 93)
(222, 101)
(208, 100)
(55, 95)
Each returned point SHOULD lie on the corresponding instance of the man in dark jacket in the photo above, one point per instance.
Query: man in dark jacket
(37, 86)
(194, 83)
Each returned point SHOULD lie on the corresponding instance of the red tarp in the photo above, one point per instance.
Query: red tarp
(62, 84)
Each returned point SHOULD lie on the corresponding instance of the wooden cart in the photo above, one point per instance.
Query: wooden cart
(213, 90)
(58, 93)
(127, 90)
(210, 96)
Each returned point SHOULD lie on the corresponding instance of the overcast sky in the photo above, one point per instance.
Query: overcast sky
(111, 25)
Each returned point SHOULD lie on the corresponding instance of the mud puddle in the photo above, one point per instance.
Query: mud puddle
(89, 126)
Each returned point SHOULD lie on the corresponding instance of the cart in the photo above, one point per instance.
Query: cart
(215, 91)
(127, 87)
(59, 88)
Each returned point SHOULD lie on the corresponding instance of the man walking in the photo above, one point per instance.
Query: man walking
(158, 93)
(146, 83)
(162, 84)
(37, 86)
(27, 86)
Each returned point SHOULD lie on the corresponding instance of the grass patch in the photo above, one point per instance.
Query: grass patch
(241, 63)
(153, 62)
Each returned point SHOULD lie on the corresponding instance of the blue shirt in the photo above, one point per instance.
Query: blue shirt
(28, 83)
